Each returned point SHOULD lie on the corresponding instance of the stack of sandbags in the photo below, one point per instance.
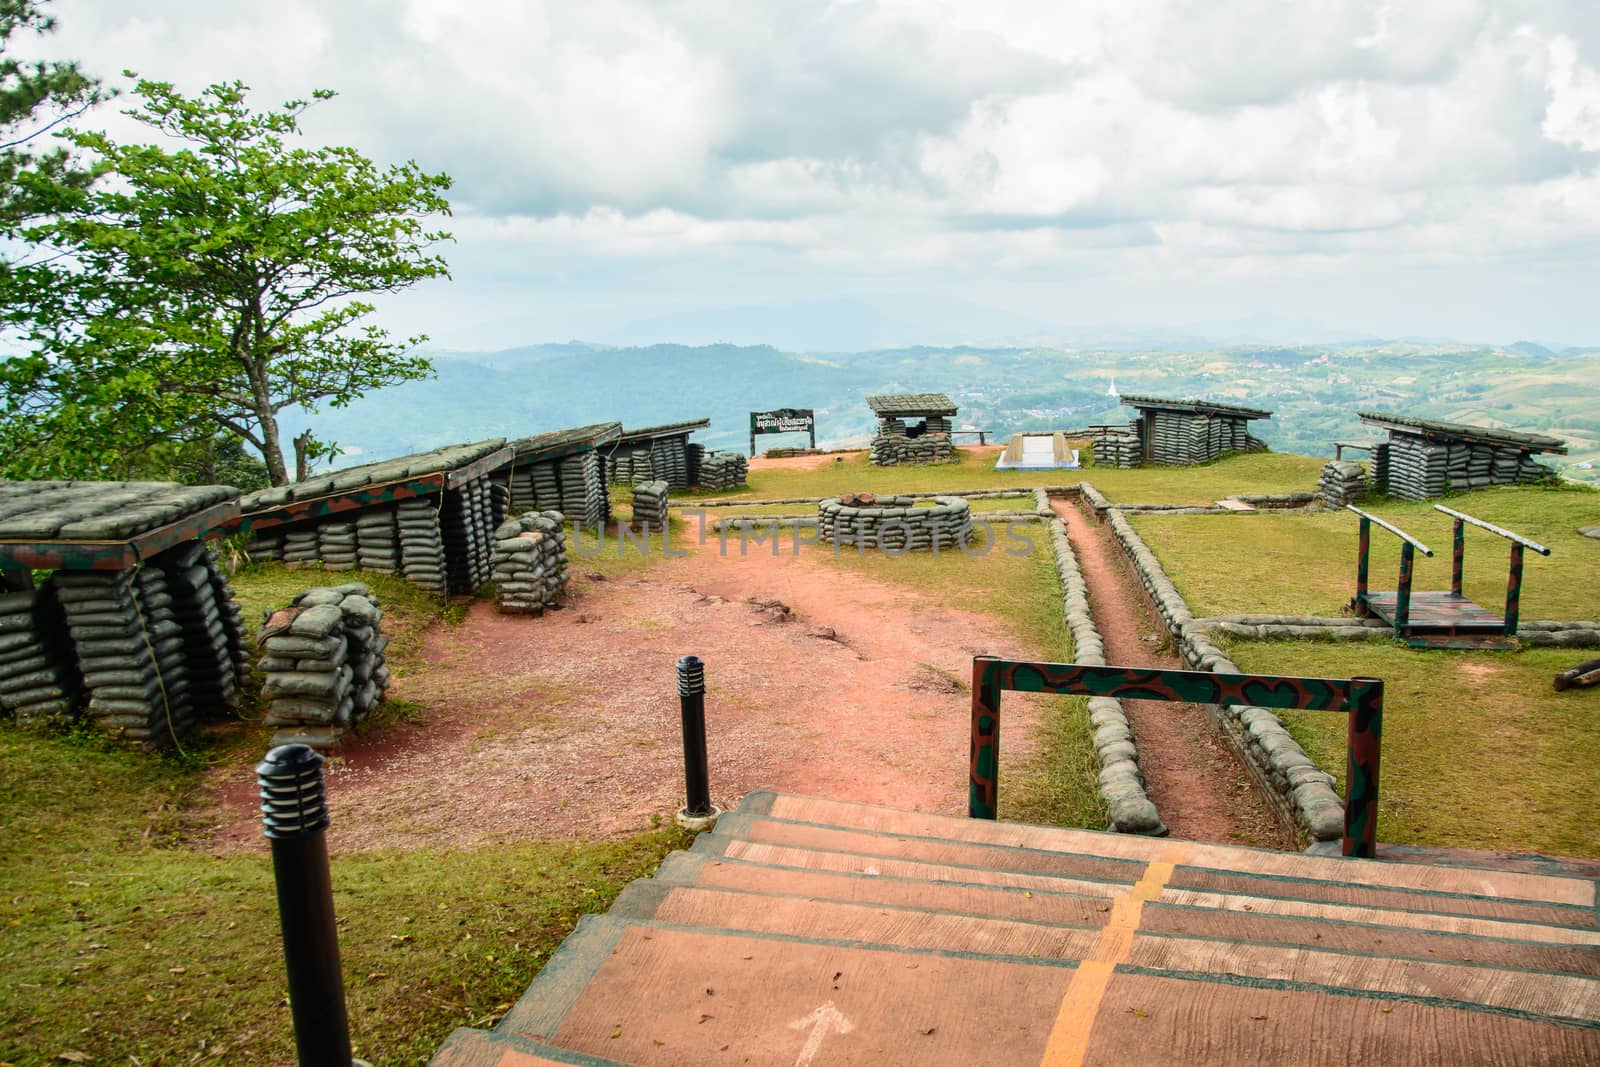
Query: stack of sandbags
(212, 636)
(546, 484)
(1529, 470)
(650, 505)
(499, 504)
(421, 544)
(266, 546)
(892, 451)
(459, 528)
(669, 461)
(37, 678)
(1342, 482)
(521, 486)
(628, 464)
(1418, 469)
(130, 652)
(530, 563)
(231, 614)
(300, 546)
(935, 424)
(1118, 448)
(583, 491)
(323, 661)
(894, 523)
(723, 470)
(1380, 466)
(336, 541)
(378, 541)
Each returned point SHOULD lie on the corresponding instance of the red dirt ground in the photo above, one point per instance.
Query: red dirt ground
(568, 725)
(1194, 780)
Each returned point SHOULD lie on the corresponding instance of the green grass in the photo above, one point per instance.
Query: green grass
(1012, 580)
(1479, 751)
(1305, 563)
(119, 944)
(1245, 473)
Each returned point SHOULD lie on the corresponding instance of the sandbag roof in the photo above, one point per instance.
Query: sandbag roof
(447, 460)
(593, 436)
(83, 524)
(1194, 407)
(667, 429)
(1437, 429)
(913, 404)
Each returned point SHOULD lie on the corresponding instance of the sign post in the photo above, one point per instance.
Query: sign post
(783, 420)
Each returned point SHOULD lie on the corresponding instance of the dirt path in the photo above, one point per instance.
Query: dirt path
(1195, 781)
(818, 683)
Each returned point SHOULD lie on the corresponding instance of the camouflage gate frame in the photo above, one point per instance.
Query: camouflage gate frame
(1360, 698)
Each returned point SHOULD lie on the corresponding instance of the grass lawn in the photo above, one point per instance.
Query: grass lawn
(1245, 473)
(1306, 563)
(1478, 750)
(126, 948)
(1015, 583)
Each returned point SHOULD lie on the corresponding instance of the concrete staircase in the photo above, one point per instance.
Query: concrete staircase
(808, 931)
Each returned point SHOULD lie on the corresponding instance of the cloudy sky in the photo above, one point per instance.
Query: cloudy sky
(817, 173)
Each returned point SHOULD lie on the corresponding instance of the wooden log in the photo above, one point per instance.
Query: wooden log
(1582, 676)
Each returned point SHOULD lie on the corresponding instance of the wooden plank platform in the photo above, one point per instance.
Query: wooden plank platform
(810, 931)
(1443, 620)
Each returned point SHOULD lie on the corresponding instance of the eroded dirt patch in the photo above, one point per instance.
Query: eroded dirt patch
(569, 725)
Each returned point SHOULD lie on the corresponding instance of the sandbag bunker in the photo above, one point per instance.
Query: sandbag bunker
(561, 470)
(913, 428)
(323, 660)
(894, 523)
(1183, 433)
(1425, 458)
(429, 517)
(134, 623)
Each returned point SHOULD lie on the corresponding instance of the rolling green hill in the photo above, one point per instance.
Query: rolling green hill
(1314, 391)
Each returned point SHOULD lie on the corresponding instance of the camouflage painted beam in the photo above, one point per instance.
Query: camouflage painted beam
(479, 467)
(1360, 698)
(1461, 517)
(336, 503)
(114, 555)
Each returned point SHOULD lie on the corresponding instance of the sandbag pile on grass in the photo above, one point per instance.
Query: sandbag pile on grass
(323, 660)
(650, 505)
(1342, 482)
(530, 563)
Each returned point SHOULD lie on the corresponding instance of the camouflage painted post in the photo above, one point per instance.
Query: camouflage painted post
(983, 790)
(1360, 698)
(1402, 596)
(1364, 738)
(1514, 588)
(1458, 553)
(1362, 564)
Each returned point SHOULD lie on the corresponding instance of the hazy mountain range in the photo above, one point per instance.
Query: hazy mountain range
(1314, 390)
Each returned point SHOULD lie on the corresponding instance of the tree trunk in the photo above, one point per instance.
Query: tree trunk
(272, 450)
(302, 457)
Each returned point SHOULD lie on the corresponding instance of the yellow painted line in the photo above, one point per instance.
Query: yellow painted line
(1080, 1005)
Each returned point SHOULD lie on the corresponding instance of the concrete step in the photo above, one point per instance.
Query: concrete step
(809, 931)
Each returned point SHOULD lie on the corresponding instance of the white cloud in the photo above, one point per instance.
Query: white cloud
(933, 140)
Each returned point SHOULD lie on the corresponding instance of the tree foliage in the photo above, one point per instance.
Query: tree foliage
(214, 281)
(35, 97)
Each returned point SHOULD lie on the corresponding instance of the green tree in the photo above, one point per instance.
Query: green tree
(213, 284)
(35, 97)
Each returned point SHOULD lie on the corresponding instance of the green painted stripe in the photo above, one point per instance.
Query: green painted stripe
(1294, 986)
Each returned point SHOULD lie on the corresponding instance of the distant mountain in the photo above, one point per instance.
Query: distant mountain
(1313, 390)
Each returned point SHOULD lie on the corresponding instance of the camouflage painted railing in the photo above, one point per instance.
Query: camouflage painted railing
(1360, 698)
(1408, 547)
(1513, 579)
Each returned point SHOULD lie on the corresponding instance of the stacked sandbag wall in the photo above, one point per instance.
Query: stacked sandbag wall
(530, 563)
(38, 679)
(1117, 448)
(323, 661)
(439, 542)
(1183, 439)
(1416, 468)
(159, 646)
(894, 450)
(1342, 482)
(650, 505)
(723, 470)
(895, 523)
